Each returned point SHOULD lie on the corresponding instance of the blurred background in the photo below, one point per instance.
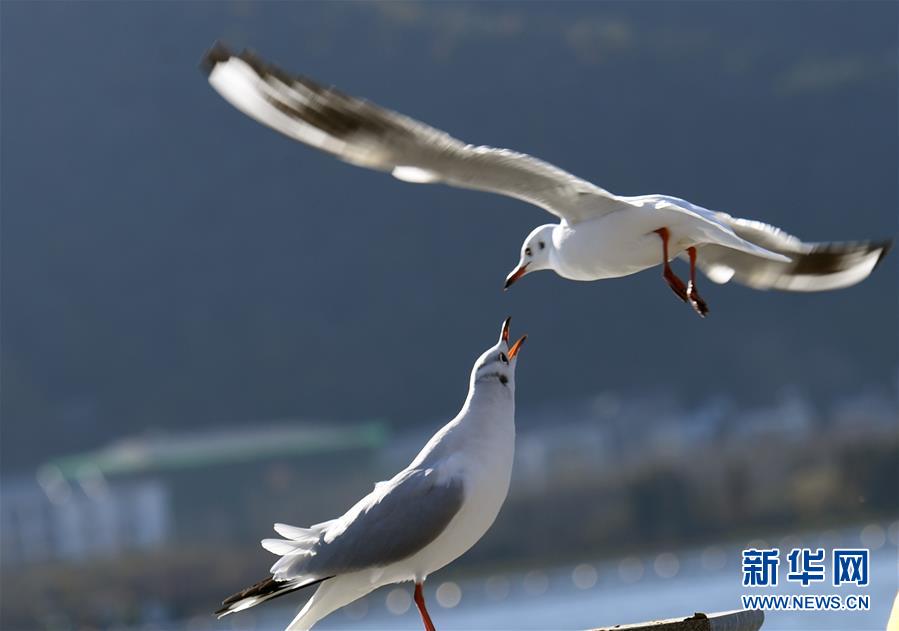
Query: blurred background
(207, 328)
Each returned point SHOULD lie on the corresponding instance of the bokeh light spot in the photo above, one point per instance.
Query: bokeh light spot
(584, 576)
(398, 601)
(666, 565)
(630, 569)
(449, 594)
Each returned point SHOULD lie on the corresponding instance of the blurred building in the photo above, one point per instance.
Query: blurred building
(147, 492)
(75, 522)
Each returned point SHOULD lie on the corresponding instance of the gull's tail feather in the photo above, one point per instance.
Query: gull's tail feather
(263, 590)
(298, 542)
(295, 533)
(811, 266)
(285, 547)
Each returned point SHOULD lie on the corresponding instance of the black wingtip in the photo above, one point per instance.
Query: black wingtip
(217, 54)
(266, 589)
(885, 247)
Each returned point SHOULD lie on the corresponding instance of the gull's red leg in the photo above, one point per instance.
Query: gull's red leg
(420, 602)
(676, 284)
(696, 301)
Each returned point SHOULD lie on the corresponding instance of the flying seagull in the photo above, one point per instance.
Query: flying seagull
(599, 234)
(413, 524)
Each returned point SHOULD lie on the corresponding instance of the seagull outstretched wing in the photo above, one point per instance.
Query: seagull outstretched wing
(809, 266)
(364, 134)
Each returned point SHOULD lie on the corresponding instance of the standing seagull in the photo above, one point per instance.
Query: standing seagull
(410, 526)
(600, 235)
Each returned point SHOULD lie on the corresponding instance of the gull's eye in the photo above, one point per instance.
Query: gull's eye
(527, 251)
(503, 358)
(542, 245)
(503, 379)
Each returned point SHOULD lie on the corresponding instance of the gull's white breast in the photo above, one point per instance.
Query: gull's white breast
(482, 457)
(617, 244)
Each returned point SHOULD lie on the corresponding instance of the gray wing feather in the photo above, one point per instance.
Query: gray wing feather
(393, 522)
(365, 134)
(813, 266)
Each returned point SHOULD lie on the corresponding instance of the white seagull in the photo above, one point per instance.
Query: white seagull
(410, 526)
(599, 235)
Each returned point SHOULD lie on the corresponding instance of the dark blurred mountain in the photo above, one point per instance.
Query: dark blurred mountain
(167, 262)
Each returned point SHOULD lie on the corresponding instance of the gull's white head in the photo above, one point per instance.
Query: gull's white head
(496, 365)
(534, 253)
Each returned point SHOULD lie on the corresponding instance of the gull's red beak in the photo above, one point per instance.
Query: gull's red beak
(520, 271)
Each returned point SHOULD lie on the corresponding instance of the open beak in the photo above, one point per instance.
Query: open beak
(516, 347)
(504, 336)
(520, 271)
